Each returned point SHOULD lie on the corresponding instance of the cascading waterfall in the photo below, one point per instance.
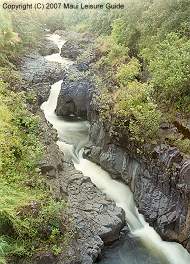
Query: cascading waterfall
(72, 137)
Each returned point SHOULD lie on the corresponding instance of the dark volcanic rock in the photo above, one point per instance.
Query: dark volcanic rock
(114, 160)
(42, 91)
(88, 57)
(97, 221)
(76, 45)
(46, 258)
(80, 48)
(75, 95)
(36, 69)
(160, 185)
(184, 177)
(38, 75)
(71, 49)
(48, 47)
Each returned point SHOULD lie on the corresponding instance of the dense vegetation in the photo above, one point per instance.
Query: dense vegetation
(144, 67)
(31, 221)
(145, 58)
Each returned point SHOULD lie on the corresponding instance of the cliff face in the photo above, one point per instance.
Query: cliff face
(95, 220)
(160, 184)
(160, 179)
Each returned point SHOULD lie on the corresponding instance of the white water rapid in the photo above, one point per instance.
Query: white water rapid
(73, 135)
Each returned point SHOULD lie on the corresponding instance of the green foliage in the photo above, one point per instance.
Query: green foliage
(163, 17)
(151, 37)
(149, 42)
(131, 108)
(21, 128)
(6, 30)
(11, 77)
(145, 123)
(183, 145)
(119, 31)
(159, 30)
(56, 250)
(31, 228)
(128, 72)
(30, 220)
(18, 31)
(28, 27)
(8, 39)
(97, 21)
(53, 20)
(169, 64)
(133, 104)
(4, 246)
(114, 54)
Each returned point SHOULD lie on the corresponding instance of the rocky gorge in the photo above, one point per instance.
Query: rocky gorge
(96, 219)
(159, 179)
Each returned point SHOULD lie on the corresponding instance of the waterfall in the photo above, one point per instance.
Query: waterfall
(72, 137)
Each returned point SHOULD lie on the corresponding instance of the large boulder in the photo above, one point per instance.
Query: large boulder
(76, 45)
(71, 49)
(97, 219)
(48, 47)
(75, 95)
(38, 75)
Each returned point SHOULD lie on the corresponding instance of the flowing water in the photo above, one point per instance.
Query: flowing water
(145, 246)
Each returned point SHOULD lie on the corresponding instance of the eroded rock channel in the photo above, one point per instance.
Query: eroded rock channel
(99, 205)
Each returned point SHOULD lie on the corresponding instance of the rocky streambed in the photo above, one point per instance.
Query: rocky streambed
(160, 184)
(96, 219)
(160, 181)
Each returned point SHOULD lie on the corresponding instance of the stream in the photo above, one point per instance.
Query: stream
(144, 245)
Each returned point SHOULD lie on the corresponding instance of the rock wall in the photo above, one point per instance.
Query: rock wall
(160, 182)
(96, 220)
(159, 179)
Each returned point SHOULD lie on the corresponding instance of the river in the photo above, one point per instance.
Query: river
(144, 246)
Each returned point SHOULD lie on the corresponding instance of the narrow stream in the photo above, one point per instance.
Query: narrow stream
(145, 246)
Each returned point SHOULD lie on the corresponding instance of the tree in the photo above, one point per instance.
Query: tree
(169, 65)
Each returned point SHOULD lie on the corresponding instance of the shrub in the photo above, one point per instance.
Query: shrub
(132, 96)
(23, 149)
(128, 72)
(134, 107)
(116, 54)
(6, 30)
(119, 31)
(183, 145)
(112, 51)
(11, 77)
(28, 214)
(113, 55)
(169, 67)
(145, 122)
